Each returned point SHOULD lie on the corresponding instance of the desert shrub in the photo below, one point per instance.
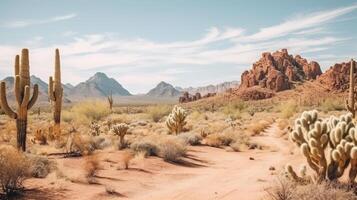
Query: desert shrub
(127, 157)
(255, 128)
(14, 169)
(86, 112)
(91, 167)
(81, 144)
(41, 166)
(120, 130)
(190, 138)
(234, 109)
(228, 138)
(40, 137)
(171, 149)
(288, 109)
(146, 145)
(158, 112)
(285, 189)
(67, 116)
(332, 104)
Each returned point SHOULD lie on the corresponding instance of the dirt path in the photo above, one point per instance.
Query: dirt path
(207, 173)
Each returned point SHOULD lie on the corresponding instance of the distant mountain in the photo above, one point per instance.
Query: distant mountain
(219, 88)
(99, 85)
(163, 89)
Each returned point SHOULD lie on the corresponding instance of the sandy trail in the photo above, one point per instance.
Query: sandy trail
(207, 173)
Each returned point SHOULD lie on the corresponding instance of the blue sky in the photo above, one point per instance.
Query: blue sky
(186, 43)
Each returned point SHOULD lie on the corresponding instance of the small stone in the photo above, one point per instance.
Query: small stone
(251, 158)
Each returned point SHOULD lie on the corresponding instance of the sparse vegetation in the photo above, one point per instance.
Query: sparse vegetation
(157, 112)
(14, 169)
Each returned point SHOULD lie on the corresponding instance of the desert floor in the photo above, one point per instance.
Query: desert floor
(205, 173)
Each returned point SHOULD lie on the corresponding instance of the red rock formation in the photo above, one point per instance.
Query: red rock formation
(186, 97)
(336, 78)
(278, 70)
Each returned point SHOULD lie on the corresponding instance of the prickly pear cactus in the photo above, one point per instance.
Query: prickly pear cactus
(329, 145)
(176, 120)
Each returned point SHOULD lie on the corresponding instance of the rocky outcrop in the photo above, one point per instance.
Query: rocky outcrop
(278, 71)
(187, 97)
(336, 78)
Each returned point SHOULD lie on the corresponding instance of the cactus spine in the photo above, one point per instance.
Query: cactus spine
(22, 94)
(55, 93)
(110, 100)
(350, 102)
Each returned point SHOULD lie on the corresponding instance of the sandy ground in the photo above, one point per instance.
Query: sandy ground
(206, 173)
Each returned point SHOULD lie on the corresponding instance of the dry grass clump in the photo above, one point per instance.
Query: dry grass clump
(237, 141)
(171, 149)
(168, 147)
(285, 189)
(157, 112)
(332, 104)
(255, 128)
(234, 109)
(86, 112)
(14, 169)
(127, 157)
(190, 138)
(288, 109)
(91, 167)
(83, 144)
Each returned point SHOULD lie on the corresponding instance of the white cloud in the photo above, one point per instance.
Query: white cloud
(83, 55)
(30, 22)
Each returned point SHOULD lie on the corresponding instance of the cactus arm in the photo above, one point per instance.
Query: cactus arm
(34, 97)
(4, 104)
(26, 99)
(17, 65)
(18, 89)
(50, 89)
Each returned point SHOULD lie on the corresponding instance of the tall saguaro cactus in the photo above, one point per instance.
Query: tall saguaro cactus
(55, 93)
(350, 102)
(22, 94)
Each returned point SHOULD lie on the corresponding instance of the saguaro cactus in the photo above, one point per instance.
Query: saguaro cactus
(22, 94)
(55, 93)
(350, 102)
(110, 100)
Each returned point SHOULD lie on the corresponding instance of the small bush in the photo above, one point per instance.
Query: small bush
(332, 104)
(91, 167)
(288, 109)
(127, 157)
(81, 144)
(41, 166)
(171, 149)
(158, 112)
(228, 138)
(86, 112)
(285, 189)
(190, 138)
(255, 128)
(149, 147)
(234, 109)
(14, 169)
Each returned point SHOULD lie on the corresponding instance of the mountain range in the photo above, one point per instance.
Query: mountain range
(100, 86)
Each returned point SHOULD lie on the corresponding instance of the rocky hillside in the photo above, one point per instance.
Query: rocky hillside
(164, 89)
(219, 88)
(277, 71)
(336, 78)
(97, 86)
